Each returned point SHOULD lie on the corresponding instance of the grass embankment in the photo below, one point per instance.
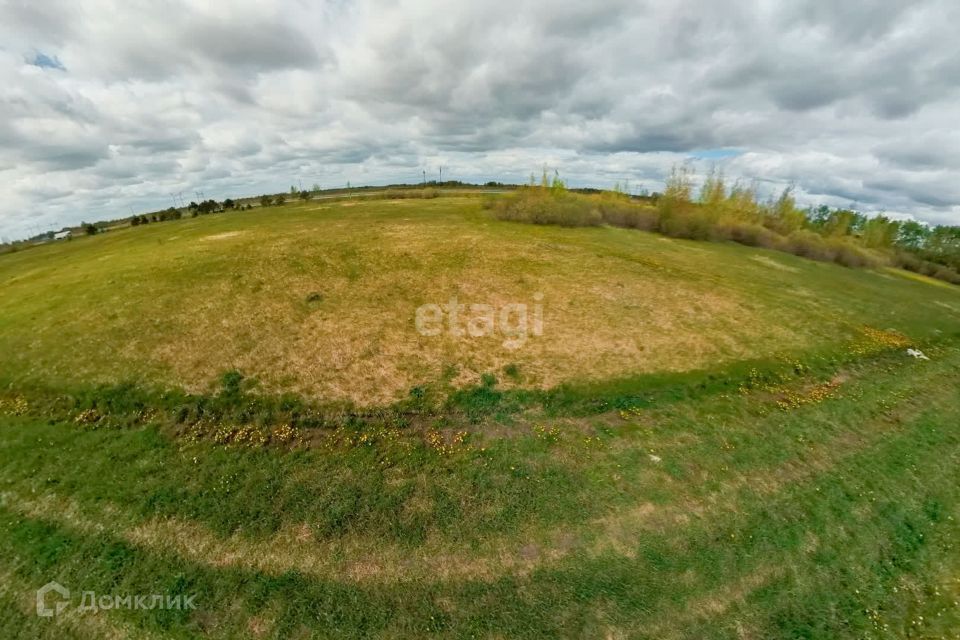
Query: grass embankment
(812, 507)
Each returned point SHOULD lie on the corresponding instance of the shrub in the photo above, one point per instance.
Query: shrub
(850, 255)
(911, 262)
(842, 251)
(538, 205)
(623, 213)
(685, 222)
(808, 244)
(405, 194)
(737, 216)
(749, 234)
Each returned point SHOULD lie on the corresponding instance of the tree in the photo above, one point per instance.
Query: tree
(279, 200)
(229, 204)
(169, 214)
(839, 222)
(713, 193)
(91, 229)
(674, 207)
(266, 201)
(557, 186)
(880, 232)
(943, 246)
(819, 216)
(742, 203)
(208, 206)
(787, 218)
(679, 185)
(135, 221)
(912, 235)
(304, 195)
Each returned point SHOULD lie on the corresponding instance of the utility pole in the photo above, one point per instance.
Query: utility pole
(424, 177)
(441, 175)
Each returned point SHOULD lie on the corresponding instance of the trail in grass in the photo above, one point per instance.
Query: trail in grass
(809, 529)
(613, 592)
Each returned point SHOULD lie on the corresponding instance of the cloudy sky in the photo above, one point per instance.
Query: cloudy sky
(110, 107)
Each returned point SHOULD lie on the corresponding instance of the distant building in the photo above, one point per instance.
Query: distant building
(63, 235)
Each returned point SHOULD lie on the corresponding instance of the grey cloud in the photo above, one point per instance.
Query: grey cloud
(249, 46)
(852, 101)
(854, 20)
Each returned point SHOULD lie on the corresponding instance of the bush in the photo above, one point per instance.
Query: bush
(808, 244)
(537, 205)
(749, 234)
(406, 194)
(736, 216)
(623, 213)
(910, 262)
(686, 223)
(850, 255)
(947, 274)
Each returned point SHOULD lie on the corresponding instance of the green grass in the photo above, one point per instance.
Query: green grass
(796, 479)
(780, 523)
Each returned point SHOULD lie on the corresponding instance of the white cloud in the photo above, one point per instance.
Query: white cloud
(851, 102)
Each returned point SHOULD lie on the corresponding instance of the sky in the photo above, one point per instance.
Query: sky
(109, 108)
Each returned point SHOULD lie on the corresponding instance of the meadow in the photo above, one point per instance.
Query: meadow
(707, 440)
(320, 299)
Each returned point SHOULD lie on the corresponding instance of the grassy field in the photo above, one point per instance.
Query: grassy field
(320, 299)
(706, 441)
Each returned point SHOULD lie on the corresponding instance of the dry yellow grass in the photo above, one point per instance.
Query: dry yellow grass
(324, 302)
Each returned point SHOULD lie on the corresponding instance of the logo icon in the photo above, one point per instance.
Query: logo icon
(42, 609)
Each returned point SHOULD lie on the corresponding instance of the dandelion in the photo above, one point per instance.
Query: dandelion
(283, 433)
(87, 417)
(549, 434)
